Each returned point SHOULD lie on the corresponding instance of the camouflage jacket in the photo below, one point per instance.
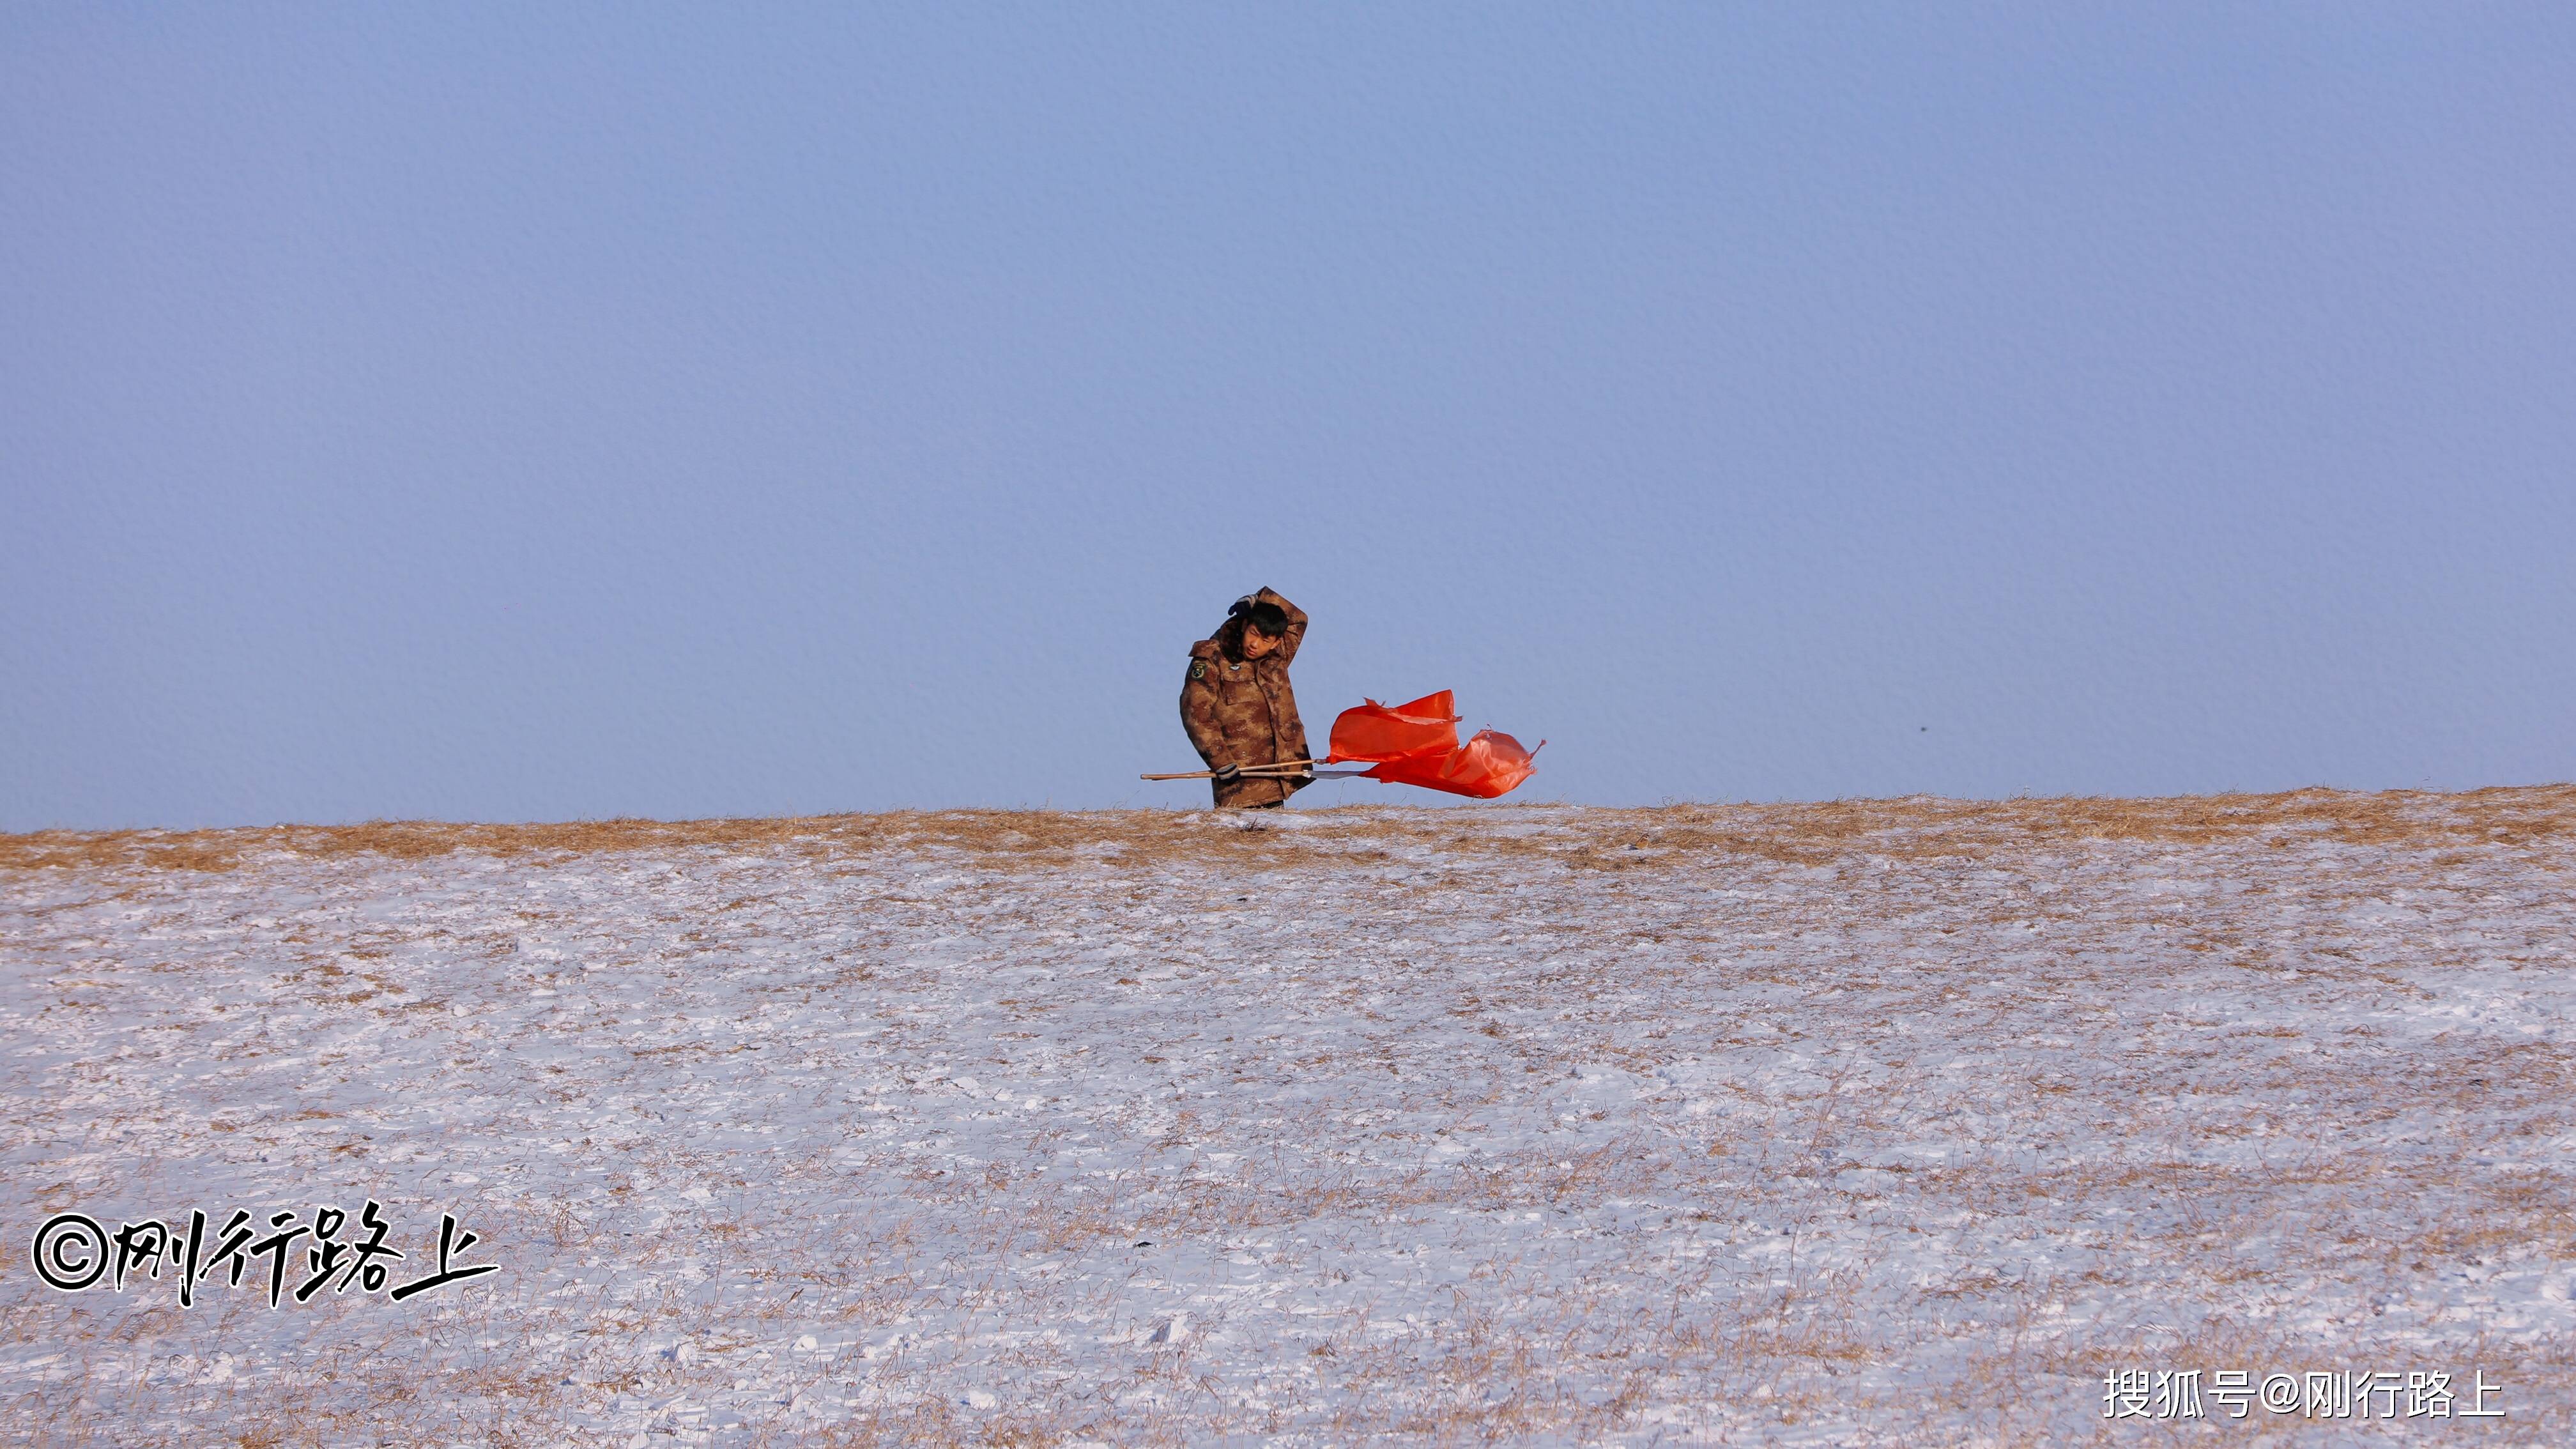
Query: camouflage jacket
(1241, 711)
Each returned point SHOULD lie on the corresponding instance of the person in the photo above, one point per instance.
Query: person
(1237, 706)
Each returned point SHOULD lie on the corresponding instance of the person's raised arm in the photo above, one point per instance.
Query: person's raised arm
(1296, 621)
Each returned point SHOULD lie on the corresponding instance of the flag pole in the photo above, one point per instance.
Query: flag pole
(1262, 772)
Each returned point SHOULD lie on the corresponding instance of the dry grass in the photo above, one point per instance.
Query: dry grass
(1804, 834)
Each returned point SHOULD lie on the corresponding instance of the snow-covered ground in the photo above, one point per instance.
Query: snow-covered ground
(1902, 1122)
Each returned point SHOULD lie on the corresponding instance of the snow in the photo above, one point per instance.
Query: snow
(1880, 1122)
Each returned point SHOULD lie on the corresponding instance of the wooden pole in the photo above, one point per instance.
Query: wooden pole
(1263, 772)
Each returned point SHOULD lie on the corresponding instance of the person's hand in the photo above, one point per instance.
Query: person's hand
(1228, 774)
(1241, 606)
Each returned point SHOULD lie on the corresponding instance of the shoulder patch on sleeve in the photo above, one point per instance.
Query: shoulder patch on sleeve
(1198, 669)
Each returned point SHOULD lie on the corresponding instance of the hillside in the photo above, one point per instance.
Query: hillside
(1893, 1121)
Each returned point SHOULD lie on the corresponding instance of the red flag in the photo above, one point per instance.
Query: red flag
(1379, 732)
(1417, 744)
(1489, 765)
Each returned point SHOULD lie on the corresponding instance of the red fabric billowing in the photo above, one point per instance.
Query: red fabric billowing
(1417, 744)
(1489, 765)
(1380, 732)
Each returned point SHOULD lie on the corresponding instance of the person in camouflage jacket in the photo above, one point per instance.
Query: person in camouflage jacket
(1236, 703)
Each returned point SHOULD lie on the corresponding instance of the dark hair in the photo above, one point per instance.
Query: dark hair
(1267, 617)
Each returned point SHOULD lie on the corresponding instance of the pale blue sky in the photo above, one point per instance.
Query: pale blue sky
(528, 412)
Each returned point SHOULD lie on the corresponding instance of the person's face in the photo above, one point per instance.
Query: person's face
(1256, 643)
